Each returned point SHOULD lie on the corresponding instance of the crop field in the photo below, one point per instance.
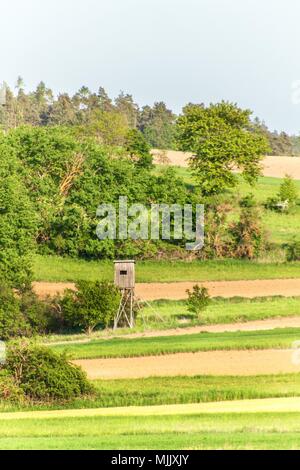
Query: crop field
(183, 427)
(122, 347)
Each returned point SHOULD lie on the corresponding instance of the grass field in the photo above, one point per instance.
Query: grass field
(154, 346)
(56, 269)
(194, 430)
(222, 311)
(281, 227)
(175, 390)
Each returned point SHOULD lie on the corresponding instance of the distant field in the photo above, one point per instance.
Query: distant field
(156, 346)
(276, 167)
(162, 431)
(281, 227)
(56, 269)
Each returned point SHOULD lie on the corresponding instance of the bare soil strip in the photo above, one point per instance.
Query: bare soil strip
(276, 167)
(235, 363)
(268, 405)
(177, 290)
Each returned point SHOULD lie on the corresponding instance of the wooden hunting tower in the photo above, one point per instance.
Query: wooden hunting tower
(125, 281)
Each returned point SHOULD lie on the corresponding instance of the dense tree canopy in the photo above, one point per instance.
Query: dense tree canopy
(222, 140)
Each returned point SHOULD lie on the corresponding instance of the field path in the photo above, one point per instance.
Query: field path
(235, 363)
(268, 405)
(276, 167)
(177, 290)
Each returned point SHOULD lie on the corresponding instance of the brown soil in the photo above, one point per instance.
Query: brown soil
(234, 363)
(177, 290)
(276, 167)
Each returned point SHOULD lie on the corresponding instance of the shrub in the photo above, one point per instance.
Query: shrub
(12, 321)
(37, 313)
(248, 201)
(293, 250)
(288, 191)
(44, 374)
(9, 389)
(94, 304)
(286, 198)
(198, 300)
(249, 237)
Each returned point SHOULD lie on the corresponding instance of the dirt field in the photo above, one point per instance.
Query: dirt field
(177, 290)
(191, 364)
(276, 167)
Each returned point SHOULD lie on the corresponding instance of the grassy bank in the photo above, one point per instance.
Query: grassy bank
(56, 269)
(155, 346)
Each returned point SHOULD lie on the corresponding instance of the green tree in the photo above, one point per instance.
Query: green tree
(158, 126)
(288, 191)
(93, 304)
(17, 221)
(222, 140)
(138, 149)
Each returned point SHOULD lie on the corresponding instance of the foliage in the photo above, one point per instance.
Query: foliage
(288, 191)
(249, 237)
(93, 304)
(17, 221)
(286, 198)
(10, 390)
(221, 139)
(22, 313)
(138, 149)
(248, 201)
(158, 126)
(293, 250)
(44, 374)
(12, 320)
(198, 299)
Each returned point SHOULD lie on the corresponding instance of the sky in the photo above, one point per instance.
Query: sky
(177, 51)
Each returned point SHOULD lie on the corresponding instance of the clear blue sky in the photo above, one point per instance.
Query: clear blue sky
(246, 51)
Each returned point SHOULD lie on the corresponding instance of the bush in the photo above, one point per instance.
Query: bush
(43, 374)
(288, 191)
(198, 300)
(249, 237)
(286, 198)
(293, 250)
(22, 313)
(9, 389)
(94, 304)
(248, 201)
(12, 321)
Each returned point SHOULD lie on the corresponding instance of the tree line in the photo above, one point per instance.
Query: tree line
(109, 120)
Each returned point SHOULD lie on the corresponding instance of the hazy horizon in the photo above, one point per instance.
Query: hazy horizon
(169, 50)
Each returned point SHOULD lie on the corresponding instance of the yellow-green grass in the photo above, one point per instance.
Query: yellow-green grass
(174, 390)
(282, 338)
(58, 269)
(220, 311)
(221, 426)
